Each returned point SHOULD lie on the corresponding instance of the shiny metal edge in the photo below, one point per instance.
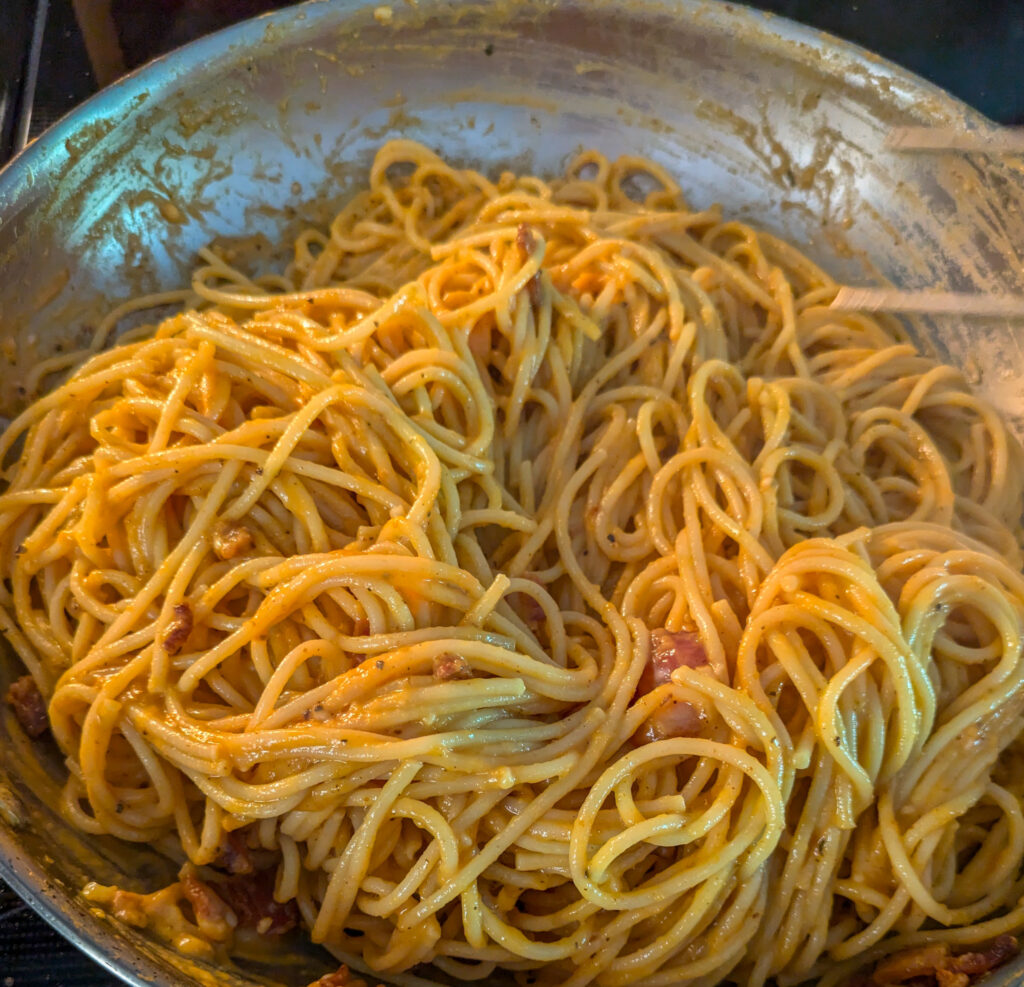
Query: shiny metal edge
(64, 913)
(147, 84)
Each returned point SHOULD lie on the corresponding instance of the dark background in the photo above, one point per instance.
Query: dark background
(973, 48)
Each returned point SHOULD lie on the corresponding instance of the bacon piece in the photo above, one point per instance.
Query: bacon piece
(179, 630)
(922, 961)
(251, 898)
(234, 855)
(342, 977)
(448, 666)
(525, 240)
(677, 718)
(231, 539)
(1001, 950)
(936, 966)
(212, 915)
(130, 908)
(670, 650)
(533, 290)
(527, 243)
(29, 706)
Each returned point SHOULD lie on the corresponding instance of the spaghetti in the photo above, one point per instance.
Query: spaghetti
(535, 576)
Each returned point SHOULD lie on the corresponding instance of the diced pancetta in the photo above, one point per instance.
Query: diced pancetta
(29, 706)
(935, 965)
(527, 243)
(342, 977)
(449, 666)
(231, 539)
(251, 898)
(179, 630)
(234, 856)
(670, 650)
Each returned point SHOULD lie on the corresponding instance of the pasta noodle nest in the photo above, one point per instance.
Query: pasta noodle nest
(534, 576)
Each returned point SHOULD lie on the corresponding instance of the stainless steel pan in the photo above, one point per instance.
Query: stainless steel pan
(237, 134)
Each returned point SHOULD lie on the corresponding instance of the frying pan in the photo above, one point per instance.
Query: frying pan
(255, 132)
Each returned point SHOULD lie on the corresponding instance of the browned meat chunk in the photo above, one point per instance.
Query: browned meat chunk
(342, 977)
(937, 966)
(212, 914)
(179, 629)
(29, 706)
(231, 539)
(130, 908)
(234, 855)
(1001, 950)
(910, 963)
(527, 243)
(251, 898)
(450, 666)
(525, 239)
(670, 650)
(677, 717)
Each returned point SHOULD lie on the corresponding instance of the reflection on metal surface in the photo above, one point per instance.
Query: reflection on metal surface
(265, 128)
